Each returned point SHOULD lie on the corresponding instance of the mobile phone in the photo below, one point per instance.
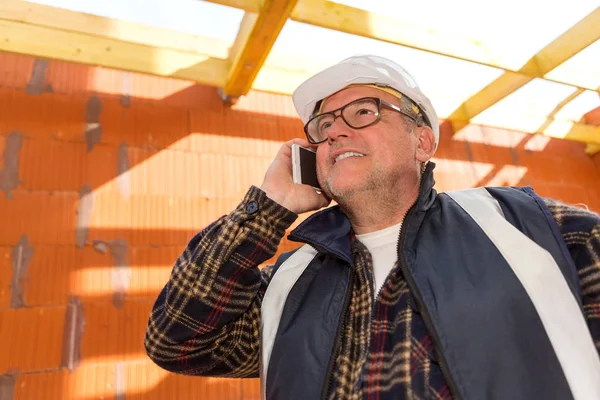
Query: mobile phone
(304, 166)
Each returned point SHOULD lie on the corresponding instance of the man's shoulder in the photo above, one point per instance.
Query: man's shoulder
(569, 217)
(573, 218)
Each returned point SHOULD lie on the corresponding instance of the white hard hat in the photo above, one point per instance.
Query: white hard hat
(364, 69)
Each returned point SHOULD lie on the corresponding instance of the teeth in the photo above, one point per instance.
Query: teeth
(346, 155)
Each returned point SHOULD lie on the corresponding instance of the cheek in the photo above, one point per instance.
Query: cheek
(322, 155)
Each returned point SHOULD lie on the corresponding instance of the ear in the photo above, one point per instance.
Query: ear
(425, 143)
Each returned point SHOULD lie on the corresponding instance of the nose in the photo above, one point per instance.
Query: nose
(338, 129)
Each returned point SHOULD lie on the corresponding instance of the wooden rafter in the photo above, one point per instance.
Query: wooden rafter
(339, 17)
(574, 40)
(256, 36)
(54, 33)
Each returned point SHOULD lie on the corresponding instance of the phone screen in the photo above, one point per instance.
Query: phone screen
(305, 166)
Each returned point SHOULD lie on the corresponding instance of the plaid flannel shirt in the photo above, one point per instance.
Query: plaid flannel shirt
(206, 320)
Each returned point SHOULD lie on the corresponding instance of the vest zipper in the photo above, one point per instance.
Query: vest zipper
(338, 335)
(420, 305)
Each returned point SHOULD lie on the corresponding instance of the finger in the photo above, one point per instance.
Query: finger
(324, 201)
(286, 149)
(298, 141)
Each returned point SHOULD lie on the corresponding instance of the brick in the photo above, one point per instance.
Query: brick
(572, 194)
(71, 78)
(594, 200)
(118, 123)
(143, 124)
(455, 174)
(179, 93)
(50, 275)
(596, 159)
(114, 335)
(47, 116)
(2, 147)
(167, 173)
(185, 218)
(206, 132)
(251, 389)
(507, 175)
(6, 275)
(230, 176)
(15, 70)
(154, 219)
(32, 338)
(140, 380)
(266, 103)
(151, 268)
(99, 167)
(560, 147)
(148, 270)
(148, 382)
(486, 135)
(47, 164)
(111, 215)
(162, 127)
(255, 131)
(145, 380)
(235, 133)
(45, 217)
(476, 151)
(142, 86)
(92, 280)
(290, 128)
(85, 382)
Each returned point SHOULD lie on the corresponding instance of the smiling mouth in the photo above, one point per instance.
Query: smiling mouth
(347, 155)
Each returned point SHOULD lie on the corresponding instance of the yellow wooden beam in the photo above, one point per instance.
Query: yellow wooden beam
(328, 14)
(355, 21)
(53, 33)
(73, 47)
(592, 149)
(114, 29)
(570, 130)
(246, 5)
(48, 32)
(339, 17)
(256, 36)
(578, 37)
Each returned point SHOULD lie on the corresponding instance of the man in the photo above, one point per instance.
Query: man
(398, 292)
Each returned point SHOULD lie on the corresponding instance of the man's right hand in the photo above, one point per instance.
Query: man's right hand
(279, 185)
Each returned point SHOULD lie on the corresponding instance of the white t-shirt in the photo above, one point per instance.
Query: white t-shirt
(382, 245)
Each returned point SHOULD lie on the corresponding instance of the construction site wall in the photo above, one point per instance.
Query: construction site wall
(106, 175)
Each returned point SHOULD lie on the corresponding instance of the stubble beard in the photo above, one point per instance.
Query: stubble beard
(378, 183)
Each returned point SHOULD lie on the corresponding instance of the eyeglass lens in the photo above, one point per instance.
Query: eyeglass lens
(357, 114)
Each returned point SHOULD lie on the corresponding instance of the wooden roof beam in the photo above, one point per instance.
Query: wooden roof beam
(339, 17)
(578, 37)
(53, 33)
(256, 36)
(49, 32)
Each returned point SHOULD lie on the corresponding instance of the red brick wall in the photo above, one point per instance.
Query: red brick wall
(90, 225)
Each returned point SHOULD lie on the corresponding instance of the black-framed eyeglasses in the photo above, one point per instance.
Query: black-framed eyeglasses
(357, 114)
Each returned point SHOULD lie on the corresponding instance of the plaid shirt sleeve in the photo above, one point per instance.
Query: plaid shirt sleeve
(206, 319)
(581, 232)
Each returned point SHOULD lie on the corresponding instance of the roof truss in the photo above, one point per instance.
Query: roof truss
(48, 32)
(257, 34)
